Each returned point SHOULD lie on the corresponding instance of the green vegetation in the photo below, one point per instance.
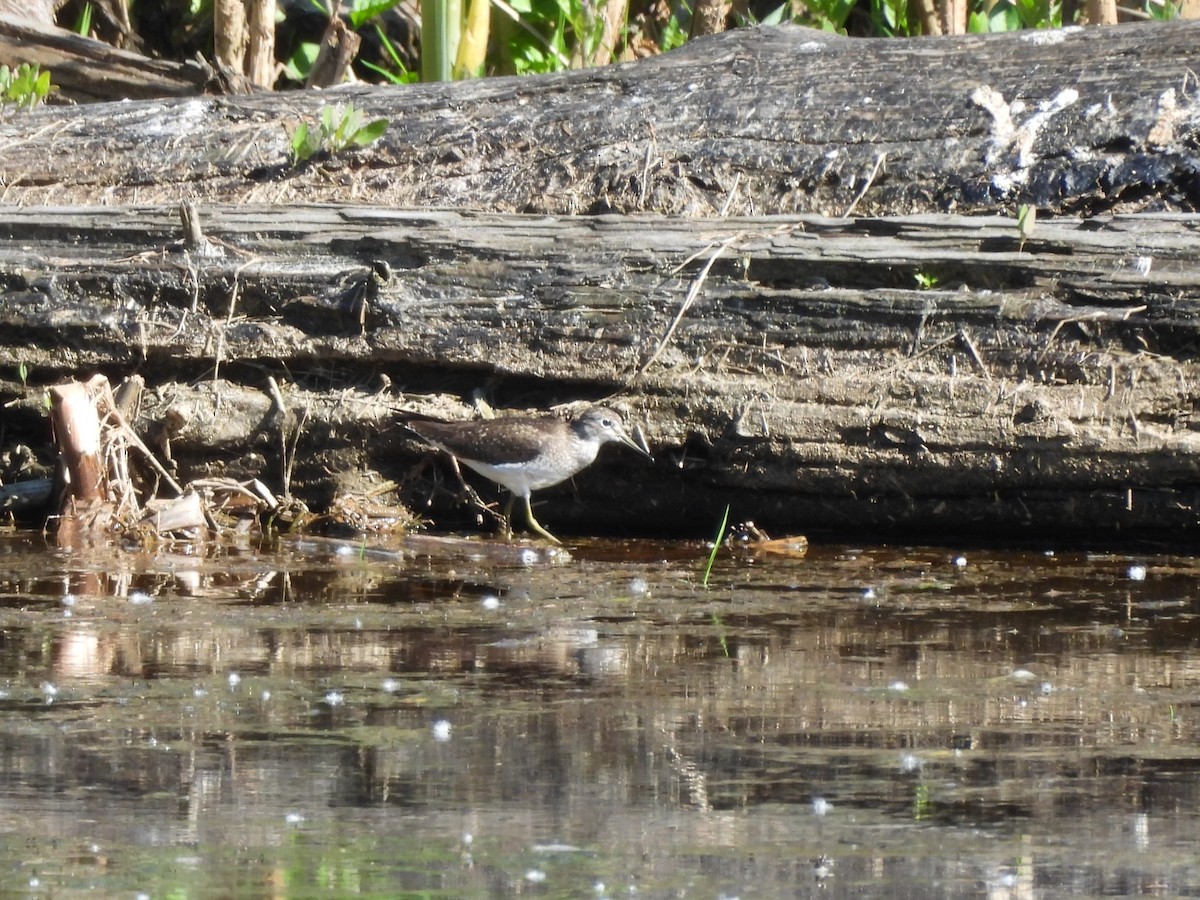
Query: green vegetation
(1026, 222)
(26, 86)
(341, 127)
(470, 38)
(83, 24)
(926, 281)
(712, 557)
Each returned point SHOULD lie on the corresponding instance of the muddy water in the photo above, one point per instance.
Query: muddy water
(484, 720)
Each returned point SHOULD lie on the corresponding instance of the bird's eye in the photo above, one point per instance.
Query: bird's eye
(607, 422)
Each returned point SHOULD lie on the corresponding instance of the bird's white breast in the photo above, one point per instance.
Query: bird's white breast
(538, 473)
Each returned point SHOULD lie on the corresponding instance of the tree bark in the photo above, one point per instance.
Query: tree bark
(751, 122)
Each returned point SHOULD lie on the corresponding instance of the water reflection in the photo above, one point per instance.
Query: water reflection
(474, 719)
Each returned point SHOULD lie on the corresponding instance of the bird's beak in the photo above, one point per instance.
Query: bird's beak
(639, 445)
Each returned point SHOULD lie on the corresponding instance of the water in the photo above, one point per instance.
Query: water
(478, 719)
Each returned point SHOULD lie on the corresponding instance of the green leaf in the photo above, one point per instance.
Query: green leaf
(776, 16)
(712, 557)
(301, 61)
(370, 132)
(403, 76)
(363, 11)
(300, 143)
(1004, 18)
(83, 24)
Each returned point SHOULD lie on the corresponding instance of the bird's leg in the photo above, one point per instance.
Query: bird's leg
(533, 523)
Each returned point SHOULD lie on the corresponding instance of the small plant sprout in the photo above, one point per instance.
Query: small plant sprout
(23, 373)
(341, 127)
(926, 281)
(1026, 222)
(25, 86)
(712, 557)
(83, 24)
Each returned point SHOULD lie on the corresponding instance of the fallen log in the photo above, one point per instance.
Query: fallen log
(751, 122)
(922, 374)
(86, 70)
(900, 375)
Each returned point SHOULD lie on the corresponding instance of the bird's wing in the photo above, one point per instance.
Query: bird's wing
(510, 440)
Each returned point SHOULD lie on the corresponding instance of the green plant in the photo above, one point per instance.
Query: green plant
(363, 11)
(712, 557)
(23, 373)
(673, 34)
(828, 15)
(401, 74)
(890, 18)
(1026, 222)
(454, 38)
(361, 14)
(300, 63)
(550, 33)
(1013, 15)
(926, 281)
(27, 85)
(341, 127)
(1162, 10)
(83, 24)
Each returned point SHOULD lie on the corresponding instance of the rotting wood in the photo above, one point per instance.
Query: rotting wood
(811, 383)
(87, 71)
(755, 121)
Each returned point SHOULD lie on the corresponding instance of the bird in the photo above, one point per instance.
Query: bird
(528, 453)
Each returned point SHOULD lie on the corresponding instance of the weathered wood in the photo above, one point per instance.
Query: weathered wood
(754, 121)
(87, 71)
(1047, 389)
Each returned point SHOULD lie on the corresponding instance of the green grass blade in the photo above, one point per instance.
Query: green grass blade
(712, 557)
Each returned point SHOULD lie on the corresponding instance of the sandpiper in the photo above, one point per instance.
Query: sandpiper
(528, 453)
